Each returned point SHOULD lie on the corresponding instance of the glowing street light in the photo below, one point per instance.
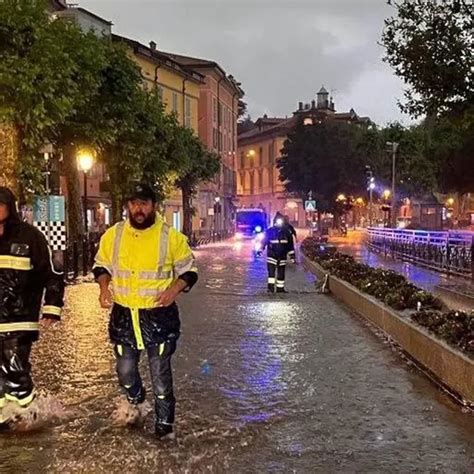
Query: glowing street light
(450, 202)
(341, 198)
(85, 162)
(386, 194)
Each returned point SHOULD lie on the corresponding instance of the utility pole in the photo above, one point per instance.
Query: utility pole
(370, 188)
(394, 148)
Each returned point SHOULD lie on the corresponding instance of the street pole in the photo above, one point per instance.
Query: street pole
(48, 224)
(393, 215)
(85, 203)
(370, 205)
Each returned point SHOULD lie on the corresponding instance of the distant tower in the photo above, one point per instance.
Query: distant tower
(323, 99)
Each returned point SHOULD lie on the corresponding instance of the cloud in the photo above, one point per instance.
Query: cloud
(281, 51)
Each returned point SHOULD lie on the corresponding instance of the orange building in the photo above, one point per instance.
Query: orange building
(217, 116)
(259, 148)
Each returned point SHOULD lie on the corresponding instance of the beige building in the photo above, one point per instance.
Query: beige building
(259, 148)
(218, 113)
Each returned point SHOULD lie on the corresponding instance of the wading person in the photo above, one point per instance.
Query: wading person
(27, 275)
(148, 264)
(277, 240)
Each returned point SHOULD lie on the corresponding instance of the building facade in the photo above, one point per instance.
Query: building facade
(179, 89)
(259, 148)
(218, 113)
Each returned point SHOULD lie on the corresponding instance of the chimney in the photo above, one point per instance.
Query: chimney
(313, 104)
(152, 45)
(300, 106)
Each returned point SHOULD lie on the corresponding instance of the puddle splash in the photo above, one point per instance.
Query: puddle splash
(45, 409)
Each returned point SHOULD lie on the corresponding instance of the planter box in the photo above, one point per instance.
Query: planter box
(451, 367)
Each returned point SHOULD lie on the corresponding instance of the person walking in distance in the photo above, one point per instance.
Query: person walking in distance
(148, 264)
(277, 242)
(31, 292)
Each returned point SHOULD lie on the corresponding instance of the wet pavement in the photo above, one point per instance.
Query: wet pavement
(265, 383)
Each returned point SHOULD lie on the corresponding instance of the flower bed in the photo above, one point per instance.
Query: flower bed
(394, 290)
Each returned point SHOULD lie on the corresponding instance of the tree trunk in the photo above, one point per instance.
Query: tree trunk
(187, 211)
(9, 156)
(75, 212)
(116, 207)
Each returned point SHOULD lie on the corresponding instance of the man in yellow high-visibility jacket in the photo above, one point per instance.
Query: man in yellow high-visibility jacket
(149, 264)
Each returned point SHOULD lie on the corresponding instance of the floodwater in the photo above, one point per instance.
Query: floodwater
(264, 383)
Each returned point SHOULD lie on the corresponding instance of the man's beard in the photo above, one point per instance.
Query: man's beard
(148, 221)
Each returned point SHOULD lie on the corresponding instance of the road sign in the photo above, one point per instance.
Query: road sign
(310, 206)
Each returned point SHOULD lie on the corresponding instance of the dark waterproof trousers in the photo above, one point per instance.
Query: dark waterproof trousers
(276, 274)
(159, 358)
(15, 371)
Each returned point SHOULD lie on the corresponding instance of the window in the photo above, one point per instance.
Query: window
(252, 182)
(260, 179)
(175, 102)
(214, 138)
(219, 143)
(187, 112)
(260, 156)
(214, 109)
(242, 160)
(160, 92)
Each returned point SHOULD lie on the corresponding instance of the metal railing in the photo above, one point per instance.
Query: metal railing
(78, 258)
(447, 251)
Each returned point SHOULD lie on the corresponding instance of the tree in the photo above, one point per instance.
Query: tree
(430, 45)
(201, 166)
(242, 108)
(41, 79)
(324, 158)
(416, 168)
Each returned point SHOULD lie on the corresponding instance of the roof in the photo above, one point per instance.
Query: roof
(160, 58)
(192, 63)
(283, 126)
(323, 91)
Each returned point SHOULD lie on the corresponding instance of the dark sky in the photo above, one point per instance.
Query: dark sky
(281, 50)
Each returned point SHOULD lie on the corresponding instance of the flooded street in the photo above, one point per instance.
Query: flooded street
(264, 383)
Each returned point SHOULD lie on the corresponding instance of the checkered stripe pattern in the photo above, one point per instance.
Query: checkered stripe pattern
(57, 233)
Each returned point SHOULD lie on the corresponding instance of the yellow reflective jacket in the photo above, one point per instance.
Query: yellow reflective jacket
(143, 263)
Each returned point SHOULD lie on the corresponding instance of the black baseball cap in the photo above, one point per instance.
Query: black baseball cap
(141, 191)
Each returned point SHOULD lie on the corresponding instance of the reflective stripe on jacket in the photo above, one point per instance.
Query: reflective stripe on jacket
(143, 263)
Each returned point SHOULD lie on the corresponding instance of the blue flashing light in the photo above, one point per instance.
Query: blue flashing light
(258, 229)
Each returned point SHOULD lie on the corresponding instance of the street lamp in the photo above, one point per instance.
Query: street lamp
(394, 147)
(386, 194)
(85, 161)
(341, 198)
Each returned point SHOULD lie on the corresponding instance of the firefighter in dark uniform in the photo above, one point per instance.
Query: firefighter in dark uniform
(277, 240)
(26, 273)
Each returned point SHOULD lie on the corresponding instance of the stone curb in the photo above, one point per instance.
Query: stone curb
(449, 366)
